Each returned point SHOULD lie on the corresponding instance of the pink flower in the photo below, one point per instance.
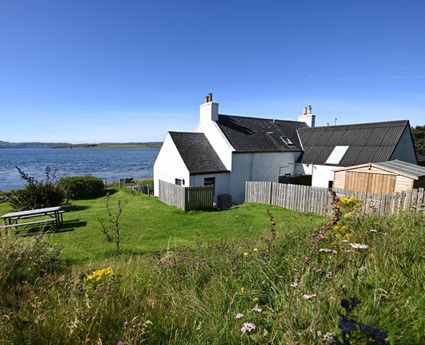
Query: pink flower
(248, 327)
(239, 316)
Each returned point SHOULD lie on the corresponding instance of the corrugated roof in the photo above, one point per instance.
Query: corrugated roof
(197, 153)
(250, 134)
(368, 142)
(402, 168)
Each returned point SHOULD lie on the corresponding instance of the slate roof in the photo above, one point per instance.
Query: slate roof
(395, 166)
(368, 142)
(249, 134)
(197, 153)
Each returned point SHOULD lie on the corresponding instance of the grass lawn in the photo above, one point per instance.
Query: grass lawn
(148, 225)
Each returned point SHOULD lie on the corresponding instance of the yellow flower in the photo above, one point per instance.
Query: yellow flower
(242, 289)
(99, 274)
(245, 254)
(255, 249)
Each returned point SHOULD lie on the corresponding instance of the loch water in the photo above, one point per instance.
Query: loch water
(108, 164)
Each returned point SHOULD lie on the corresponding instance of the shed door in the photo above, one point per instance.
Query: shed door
(370, 183)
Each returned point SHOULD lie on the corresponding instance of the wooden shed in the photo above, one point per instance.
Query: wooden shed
(380, 178)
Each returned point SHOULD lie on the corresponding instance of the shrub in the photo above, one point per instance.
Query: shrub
(82, 187)
(37, 194)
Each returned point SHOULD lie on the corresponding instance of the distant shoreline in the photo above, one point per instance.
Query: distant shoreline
(131, 145)
(112, 146)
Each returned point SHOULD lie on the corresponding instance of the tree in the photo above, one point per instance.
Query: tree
(418, 133)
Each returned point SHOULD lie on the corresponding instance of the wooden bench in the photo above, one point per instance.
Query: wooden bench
(35, 222)
(52, 215)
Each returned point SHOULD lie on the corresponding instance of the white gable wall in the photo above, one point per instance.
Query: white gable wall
(169, 165)
(207, 125)
(259, 167)
(404, 150)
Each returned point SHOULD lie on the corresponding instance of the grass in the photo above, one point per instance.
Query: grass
(183, 277)
(149, 225)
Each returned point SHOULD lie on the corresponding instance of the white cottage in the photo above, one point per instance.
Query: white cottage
(242, 148)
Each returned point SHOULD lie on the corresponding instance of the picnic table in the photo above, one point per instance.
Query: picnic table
(52, 215)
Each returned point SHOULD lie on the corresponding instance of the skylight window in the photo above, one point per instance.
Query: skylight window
(337, 153)
(287, 141)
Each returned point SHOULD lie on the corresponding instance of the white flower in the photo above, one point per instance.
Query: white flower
(359, 246)
(309, 297)
(257, 310)
(239, 316)
(325, 250)
(294, 285)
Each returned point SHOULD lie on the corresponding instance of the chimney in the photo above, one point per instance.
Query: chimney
(308, 117)
(209, 110)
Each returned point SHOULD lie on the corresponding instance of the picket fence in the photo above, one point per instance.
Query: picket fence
(318, 200)
(186, 198)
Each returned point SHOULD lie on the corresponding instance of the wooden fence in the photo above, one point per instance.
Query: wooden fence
(318, 200)
(186, 198)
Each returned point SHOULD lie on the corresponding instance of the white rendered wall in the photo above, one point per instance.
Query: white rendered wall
(404, 150)
(259, 167)
(169, 165)
(322, 174)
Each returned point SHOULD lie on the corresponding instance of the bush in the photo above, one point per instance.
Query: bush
(82, 187)
(37, 194)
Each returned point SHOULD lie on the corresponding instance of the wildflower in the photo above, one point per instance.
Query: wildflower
(257, 310)
(294, 285)
(245, 254)
(309, 297)
(329, 275)
(239, 316)
(120, 342)
(125, 323)
(242, 289)
(325, 250)
(99, 274)
(139, 324)
(347, 325)
(255, 249)
(358, 246)
(328, 337)
(248, 327)
(372, 332)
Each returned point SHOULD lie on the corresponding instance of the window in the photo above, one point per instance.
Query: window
(178, 182)
(337, 153)
(287, 141)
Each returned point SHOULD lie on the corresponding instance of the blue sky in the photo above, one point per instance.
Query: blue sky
(97, 71)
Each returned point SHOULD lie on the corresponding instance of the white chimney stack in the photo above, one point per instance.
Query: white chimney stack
(308, 117)
(208, 110)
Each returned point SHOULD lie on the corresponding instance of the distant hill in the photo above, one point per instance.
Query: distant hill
(6, 144)
(153, 144)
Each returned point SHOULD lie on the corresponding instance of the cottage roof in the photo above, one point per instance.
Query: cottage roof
(197, 153)
(249, 134)
(351, 144)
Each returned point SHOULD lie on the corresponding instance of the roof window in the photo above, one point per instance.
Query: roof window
(287, 141)
(337, 153)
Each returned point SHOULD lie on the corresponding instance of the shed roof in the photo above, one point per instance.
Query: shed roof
(250, 134)
(367, 142)
(395, 166)
(197, 153)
